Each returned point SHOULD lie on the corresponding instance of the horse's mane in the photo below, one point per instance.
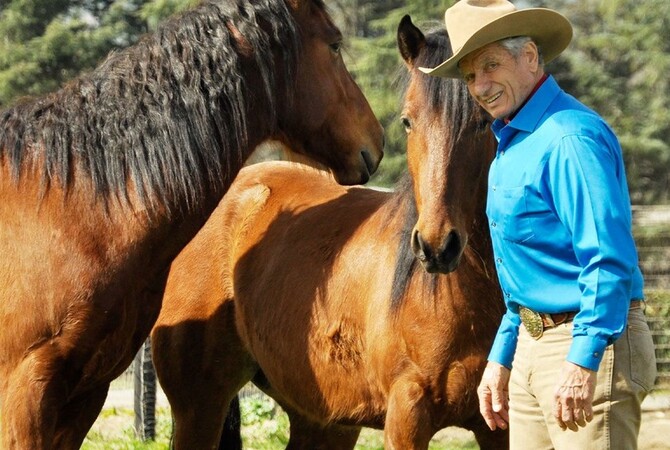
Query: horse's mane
(168, 114)
(450, 98)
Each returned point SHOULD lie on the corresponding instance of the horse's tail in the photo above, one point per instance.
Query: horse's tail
(231, 436)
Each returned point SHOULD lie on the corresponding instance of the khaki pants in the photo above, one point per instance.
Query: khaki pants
(626, 374)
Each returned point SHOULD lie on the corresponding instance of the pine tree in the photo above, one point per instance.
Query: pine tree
(620, 57)
(44, 43)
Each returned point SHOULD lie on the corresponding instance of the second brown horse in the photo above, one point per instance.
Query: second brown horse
(314, 291)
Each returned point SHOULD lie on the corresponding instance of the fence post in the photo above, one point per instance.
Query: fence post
(145, 393)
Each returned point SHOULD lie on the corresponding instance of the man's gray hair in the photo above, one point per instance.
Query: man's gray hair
(515, 44)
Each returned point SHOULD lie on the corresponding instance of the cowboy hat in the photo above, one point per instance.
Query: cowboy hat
(472, 24)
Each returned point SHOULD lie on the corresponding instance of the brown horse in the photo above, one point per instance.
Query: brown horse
(104, 182)
(314, 292)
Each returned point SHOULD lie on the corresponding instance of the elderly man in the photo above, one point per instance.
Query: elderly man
(560, 221)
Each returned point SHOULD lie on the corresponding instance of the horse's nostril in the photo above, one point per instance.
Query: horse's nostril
(419, 246)
(452, 246)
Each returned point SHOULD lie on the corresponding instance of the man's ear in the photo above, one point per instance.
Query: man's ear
(531, 54)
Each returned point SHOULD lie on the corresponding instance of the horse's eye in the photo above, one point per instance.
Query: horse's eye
(335, 47)
(406, 123)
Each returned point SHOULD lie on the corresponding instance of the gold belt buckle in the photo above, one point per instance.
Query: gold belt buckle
(532, 321)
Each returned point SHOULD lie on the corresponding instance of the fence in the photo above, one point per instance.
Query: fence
(652, 235)
(658, 316)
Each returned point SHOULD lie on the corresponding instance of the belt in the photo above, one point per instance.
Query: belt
(536, 322)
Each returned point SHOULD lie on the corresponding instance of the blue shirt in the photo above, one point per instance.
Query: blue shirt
(560, 220)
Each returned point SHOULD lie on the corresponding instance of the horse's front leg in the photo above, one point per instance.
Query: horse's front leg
(408, 421)
(307, 435)
(77, 418)
(31, 402)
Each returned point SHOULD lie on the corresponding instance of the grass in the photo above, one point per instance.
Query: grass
(264, 427)
(114, 430)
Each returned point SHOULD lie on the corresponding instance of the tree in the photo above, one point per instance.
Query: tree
(620, 57)
(48, 42)
(616, 64)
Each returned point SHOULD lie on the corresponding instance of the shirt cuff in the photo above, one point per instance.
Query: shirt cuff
(503, 349)
(587, 351)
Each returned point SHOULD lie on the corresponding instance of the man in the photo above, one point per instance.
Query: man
(560, 221)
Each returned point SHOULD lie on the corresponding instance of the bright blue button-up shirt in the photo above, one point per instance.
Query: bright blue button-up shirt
(560, 221)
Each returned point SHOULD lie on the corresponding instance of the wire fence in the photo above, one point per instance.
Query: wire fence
(659, 323)
(651, 227)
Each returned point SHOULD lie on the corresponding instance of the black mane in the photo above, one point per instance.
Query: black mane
(450, 98)
(168, 114)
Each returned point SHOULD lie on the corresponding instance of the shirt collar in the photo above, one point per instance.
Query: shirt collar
(530, 113)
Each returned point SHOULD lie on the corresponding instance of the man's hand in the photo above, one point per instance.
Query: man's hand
(494, 396)
(573, 397)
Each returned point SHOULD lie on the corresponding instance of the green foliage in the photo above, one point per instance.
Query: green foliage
(48, 42)
(153, 12)
(264, 424)
(620, 58)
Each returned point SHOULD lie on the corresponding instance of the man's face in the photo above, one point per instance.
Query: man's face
(497, 81)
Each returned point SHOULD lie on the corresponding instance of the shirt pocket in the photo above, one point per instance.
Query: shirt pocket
(516, 223)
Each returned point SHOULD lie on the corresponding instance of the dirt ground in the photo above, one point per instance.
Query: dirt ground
(655, 428)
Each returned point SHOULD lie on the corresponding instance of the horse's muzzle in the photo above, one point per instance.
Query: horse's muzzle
(444, 259)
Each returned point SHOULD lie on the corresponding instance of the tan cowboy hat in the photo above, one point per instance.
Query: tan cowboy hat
(472, 24)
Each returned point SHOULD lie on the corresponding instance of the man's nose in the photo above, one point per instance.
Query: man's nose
(482, 85)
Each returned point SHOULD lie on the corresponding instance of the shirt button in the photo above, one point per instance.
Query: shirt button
(499, 260)
(493, 224)
(596, 354)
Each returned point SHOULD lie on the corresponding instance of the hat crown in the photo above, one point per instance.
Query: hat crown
(467, 17)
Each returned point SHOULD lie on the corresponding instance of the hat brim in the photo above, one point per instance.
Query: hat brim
(550, 30)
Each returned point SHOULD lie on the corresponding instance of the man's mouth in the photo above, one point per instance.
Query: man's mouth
(493, 98)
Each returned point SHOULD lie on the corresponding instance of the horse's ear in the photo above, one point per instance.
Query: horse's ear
(410, 40)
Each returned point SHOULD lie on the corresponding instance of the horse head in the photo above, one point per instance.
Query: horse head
(336, 126)
(449, 149)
